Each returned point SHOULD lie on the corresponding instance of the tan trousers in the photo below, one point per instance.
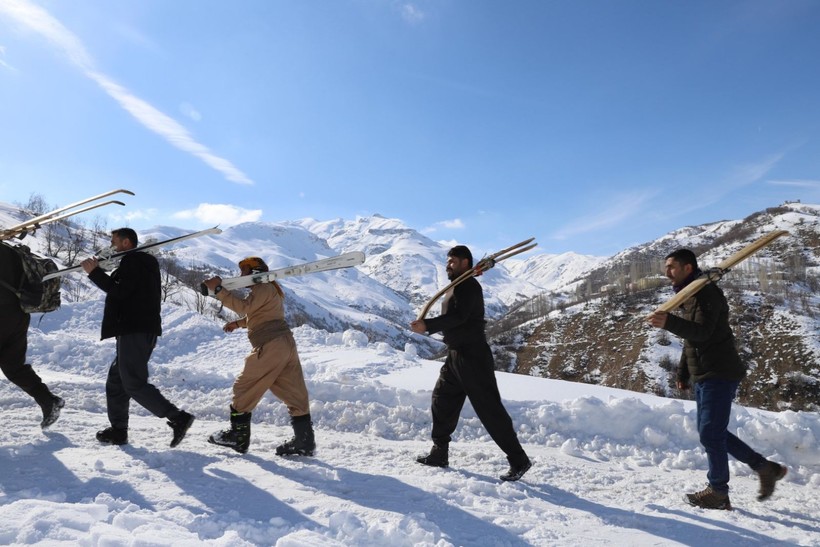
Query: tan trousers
(274, 366)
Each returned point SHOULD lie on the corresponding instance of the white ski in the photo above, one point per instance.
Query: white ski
(347, 260)
(148, 247)
(24, 228)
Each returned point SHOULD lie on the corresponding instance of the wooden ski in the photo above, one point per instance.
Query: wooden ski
(479, 268)
(713, 275)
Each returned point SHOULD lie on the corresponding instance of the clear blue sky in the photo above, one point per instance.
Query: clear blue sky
(591, 125)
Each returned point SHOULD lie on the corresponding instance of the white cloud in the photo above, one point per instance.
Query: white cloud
(220, 213)
(799, 183)
(40, 21)
(619, 209)
(189, 111)
(412, 14)
(140, 214)
(454, 224)
(3, 63)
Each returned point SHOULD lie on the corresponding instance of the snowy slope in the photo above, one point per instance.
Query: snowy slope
(610, 466)
(553, 272)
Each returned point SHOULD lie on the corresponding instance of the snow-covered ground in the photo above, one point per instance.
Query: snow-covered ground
(610, 467)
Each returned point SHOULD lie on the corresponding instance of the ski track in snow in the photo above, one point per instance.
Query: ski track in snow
(610, 467)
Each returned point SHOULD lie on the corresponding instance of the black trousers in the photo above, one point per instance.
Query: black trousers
(13, 345)
(468, 372)
(128, 379)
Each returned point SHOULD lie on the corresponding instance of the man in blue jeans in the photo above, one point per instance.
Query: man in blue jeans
(711, 362)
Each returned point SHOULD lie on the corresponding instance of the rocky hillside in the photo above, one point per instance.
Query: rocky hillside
(597, 335)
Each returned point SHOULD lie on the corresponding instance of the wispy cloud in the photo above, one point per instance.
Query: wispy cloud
(40, 21)
(220, 213)
(412, 14)
(454, 224)
(188, 110)
(140, 214)
(799, 183)
(3, 62)
(619, 209)
(740, 177)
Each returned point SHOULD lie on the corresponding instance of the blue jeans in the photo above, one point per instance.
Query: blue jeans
(714, 404)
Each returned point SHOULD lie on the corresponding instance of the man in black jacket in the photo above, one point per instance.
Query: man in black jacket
(14, 340)
(711, 362)
(132, 315)
(468, 371)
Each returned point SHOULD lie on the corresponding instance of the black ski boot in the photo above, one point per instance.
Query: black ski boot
(238, 436)
(303, 443)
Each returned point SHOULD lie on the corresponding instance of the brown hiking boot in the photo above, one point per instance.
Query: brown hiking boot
(709, 499)
(769, 474)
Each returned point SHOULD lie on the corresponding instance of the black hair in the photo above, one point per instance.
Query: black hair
(461, 251)
(126, 233)
(684, 256)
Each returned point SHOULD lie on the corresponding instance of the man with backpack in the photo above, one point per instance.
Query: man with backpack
(132, 316)
(14, 324)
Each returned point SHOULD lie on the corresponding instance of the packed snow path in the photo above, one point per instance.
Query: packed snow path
(610, 467)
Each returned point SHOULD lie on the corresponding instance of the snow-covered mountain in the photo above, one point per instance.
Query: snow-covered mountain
(774, 313)
(403, 269)
(554, 273)
(412, 264)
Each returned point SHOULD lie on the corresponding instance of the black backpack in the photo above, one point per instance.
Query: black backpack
(35, 294)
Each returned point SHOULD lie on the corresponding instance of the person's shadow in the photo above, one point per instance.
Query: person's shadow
(713, 532)
(36, 469)
(389, 494)
(219, 491)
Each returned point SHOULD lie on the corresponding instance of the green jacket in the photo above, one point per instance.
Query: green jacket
(709, 346)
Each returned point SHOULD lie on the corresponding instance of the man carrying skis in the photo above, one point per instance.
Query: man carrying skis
(14, 324)
(132, 316)
(711, 362)
(273, 364)
(468, 371)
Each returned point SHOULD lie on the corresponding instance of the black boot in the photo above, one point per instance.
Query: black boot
(438, 457)
(303, 443)
(113, 435)
(238, 436)
(51, 410)
(180, 424)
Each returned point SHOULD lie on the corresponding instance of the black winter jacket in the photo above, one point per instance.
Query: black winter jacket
(709, 346)
(11, 271)
(462, 315)
(133, 294)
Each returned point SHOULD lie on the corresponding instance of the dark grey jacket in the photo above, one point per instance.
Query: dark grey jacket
(709, 346)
